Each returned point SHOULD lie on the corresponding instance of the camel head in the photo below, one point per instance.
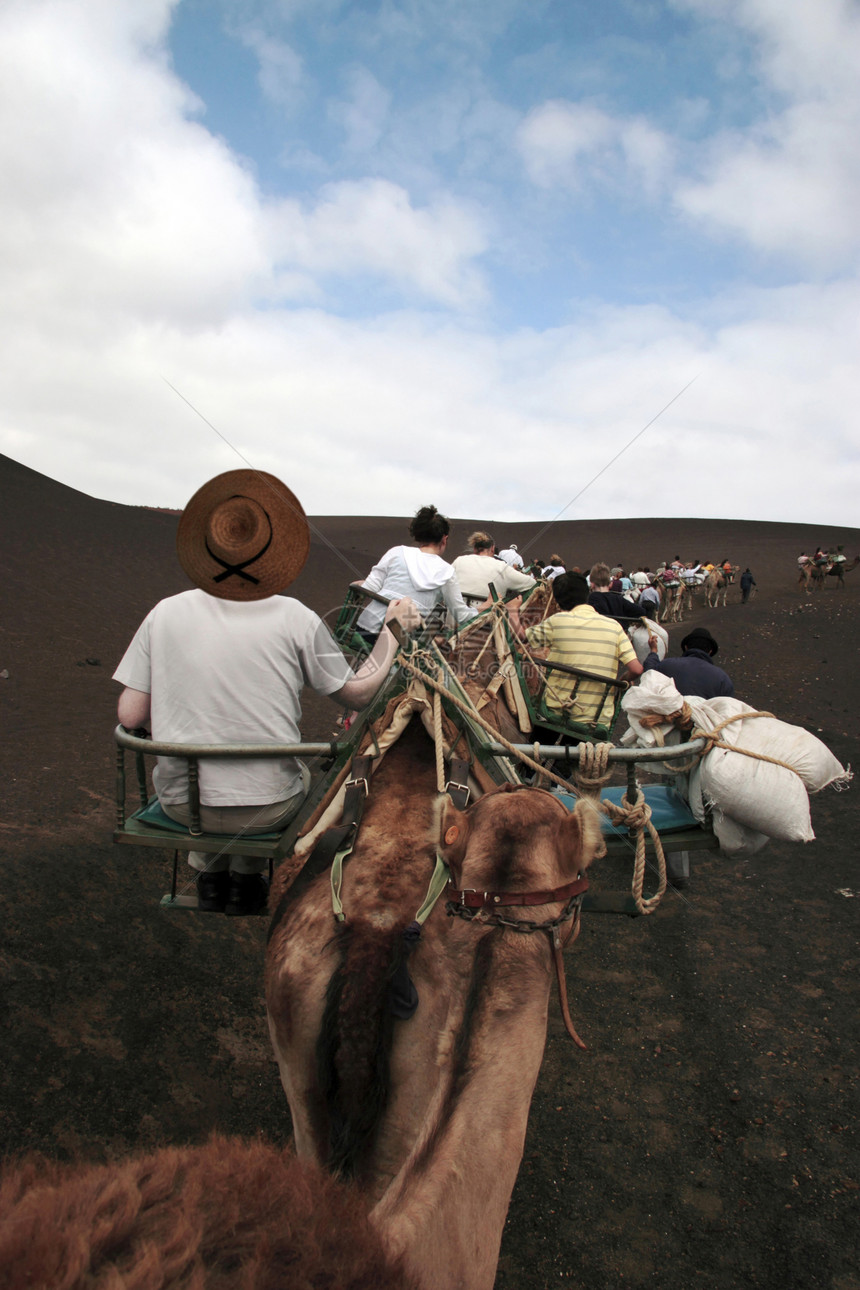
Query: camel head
(518, 839)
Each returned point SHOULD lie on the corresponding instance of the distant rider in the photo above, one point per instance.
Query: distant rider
(695, 672)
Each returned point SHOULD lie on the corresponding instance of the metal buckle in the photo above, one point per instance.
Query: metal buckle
(464, 787)
(354, 783)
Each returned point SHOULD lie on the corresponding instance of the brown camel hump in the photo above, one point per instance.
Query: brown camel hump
(225, 1214)
(355, 1039)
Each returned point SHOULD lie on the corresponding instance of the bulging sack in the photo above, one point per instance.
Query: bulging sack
(761, 795)
(749, 798)
(639, 634)
(655, 695)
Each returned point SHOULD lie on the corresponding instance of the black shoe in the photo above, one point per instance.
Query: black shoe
(249, 893)
(212, 891)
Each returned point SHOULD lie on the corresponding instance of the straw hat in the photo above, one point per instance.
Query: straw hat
(243, 536)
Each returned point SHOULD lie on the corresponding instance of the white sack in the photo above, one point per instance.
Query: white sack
(735, 839)
(807, 755)
(655, 694)
(639, 634)
(749, 799)
(759, 795)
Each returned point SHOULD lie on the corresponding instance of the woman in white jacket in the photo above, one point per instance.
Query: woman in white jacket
(417, 571)
(481, 566)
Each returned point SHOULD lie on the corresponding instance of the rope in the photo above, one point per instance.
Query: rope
(711, 740)
(437, 740)
(474, 715)
(594, 768)
(490, 622)
(683, 717)
(636, 817)
(557, 947)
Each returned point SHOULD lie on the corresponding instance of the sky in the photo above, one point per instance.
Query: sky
(540, 260)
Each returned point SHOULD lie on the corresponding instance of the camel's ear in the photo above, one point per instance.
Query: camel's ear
(580, 839)
(454, 831)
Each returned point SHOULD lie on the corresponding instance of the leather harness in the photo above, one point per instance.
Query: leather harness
(337, 842)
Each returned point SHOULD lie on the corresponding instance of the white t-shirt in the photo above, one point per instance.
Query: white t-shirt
(476, 572)
(230, 672)
(553, 571)
(512, 556)
(421, 575)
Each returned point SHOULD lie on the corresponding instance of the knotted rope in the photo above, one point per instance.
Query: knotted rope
(594, 772)
(594, 769)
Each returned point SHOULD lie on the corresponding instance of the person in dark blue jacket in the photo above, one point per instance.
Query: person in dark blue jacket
(747, 584)
(695, 672)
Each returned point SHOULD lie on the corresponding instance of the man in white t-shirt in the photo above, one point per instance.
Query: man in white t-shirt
(225, 664)
(511, 555)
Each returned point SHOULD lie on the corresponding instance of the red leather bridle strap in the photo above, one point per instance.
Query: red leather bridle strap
(471, 899)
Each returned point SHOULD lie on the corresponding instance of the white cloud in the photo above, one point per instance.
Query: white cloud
(281, 74)
(363, 114)
(113, 200)
(134, 247)
(577, 144)
(371, 227)
(790, 184)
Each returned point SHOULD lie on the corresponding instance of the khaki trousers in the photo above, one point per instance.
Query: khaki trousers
(238, 820)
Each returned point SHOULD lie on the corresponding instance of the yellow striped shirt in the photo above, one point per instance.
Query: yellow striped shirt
(581, 637)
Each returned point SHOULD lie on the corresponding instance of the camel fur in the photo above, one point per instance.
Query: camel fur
(229, 1215)
(427, 1113)
(673, 599)
(716, 588)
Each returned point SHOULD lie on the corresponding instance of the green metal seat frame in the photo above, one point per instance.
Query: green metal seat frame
(146, 825)
(357, 598)
(142, 827)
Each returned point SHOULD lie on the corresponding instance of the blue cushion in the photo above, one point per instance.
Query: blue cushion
(153, 815)
(669, 812)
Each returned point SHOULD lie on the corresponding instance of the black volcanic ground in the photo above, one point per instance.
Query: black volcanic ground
(709, 1135)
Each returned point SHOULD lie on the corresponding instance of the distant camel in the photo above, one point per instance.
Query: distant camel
(673, 597)
(813, 576)
(226, 1214)
(716, 588)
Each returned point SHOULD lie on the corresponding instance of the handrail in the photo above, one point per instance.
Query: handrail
(371, 595)
(557, 752)
(158, 748)
(580, 671)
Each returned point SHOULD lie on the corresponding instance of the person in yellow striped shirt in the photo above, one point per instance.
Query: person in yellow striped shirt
(580, 637)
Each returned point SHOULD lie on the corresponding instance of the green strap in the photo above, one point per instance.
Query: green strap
(438, 883)
(336, 882)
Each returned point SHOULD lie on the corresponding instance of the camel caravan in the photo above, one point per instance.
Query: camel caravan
(814, 571)
(681, 588)
(421, 904)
